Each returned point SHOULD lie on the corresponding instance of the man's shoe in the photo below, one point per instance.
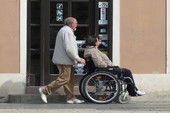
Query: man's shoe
(43, 96)
(140, 92)
(75, 101)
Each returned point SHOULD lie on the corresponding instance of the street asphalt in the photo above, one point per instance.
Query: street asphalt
(132, 107)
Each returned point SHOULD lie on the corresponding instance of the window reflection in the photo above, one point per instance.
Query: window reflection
(35, 37)
(35, 62)
(81, 33)
(81, 12)
(35, 12)
(53, 33)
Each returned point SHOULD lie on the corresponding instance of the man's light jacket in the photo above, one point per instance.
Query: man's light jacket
(65, 51)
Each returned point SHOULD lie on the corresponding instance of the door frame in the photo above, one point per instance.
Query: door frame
(45, 26)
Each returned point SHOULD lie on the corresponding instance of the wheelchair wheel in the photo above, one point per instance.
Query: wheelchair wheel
(81, 85)
(122, 98)
(101, 87)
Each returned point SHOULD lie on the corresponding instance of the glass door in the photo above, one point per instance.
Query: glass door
(45, 18)
(34, 43)
(59, 10)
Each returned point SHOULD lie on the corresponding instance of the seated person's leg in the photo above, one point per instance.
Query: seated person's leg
(131, 90)
(127, 74)
(131, 87)
(116, 71)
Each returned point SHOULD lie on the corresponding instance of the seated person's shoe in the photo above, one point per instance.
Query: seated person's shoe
(43, 96)
(140, 93)
(75, 101)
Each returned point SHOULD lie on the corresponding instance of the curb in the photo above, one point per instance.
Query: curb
(35, 98)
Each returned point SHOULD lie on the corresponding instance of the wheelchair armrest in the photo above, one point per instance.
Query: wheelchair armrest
(112, 67)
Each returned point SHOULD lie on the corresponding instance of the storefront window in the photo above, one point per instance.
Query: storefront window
(46, 17)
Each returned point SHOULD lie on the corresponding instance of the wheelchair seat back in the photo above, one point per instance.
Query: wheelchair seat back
(89, 67)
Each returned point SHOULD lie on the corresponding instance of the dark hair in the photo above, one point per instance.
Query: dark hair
(90, 41)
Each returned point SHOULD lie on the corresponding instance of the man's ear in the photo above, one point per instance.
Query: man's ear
(71, 25)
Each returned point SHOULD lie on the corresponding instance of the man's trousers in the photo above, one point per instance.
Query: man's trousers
(65, 79)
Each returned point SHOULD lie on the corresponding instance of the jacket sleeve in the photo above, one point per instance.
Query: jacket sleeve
(98, 60)
(107, 60)
(71, 46)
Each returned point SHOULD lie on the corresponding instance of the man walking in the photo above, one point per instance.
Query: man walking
(65, 56)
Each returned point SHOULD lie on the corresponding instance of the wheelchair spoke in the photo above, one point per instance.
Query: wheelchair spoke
(94, 82)
(101, 87)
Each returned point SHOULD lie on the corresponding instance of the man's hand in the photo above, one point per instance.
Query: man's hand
(81, 60)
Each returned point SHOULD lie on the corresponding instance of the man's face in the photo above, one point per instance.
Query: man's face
(74, 25)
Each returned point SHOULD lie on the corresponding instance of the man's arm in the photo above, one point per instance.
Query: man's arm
(71, 47)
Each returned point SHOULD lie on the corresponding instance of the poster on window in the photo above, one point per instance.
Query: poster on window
(103, 4)
(103, 13)
(59, 12)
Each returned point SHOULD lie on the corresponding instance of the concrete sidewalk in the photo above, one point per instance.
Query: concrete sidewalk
(32, 96)
(145, 107)
(35, 98)
(76, 111)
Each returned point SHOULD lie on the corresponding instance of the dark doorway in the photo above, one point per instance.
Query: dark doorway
(45, 18)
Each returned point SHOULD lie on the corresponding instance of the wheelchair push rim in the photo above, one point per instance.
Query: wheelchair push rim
(101, 87)
(81, 85)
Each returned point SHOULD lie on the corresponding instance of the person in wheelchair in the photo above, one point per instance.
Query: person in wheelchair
(100, 60)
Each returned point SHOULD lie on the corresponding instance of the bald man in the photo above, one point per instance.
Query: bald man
(65, 56)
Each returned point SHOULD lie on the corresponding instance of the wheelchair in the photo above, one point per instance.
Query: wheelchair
(99, 85)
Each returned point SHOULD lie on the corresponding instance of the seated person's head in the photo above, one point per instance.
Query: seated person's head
(92, 41)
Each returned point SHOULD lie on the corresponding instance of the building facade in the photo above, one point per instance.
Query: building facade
(134, 34)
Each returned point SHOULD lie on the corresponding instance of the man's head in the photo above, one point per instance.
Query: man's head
(71, 22)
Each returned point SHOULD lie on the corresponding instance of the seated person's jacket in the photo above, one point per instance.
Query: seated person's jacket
(100, 59)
